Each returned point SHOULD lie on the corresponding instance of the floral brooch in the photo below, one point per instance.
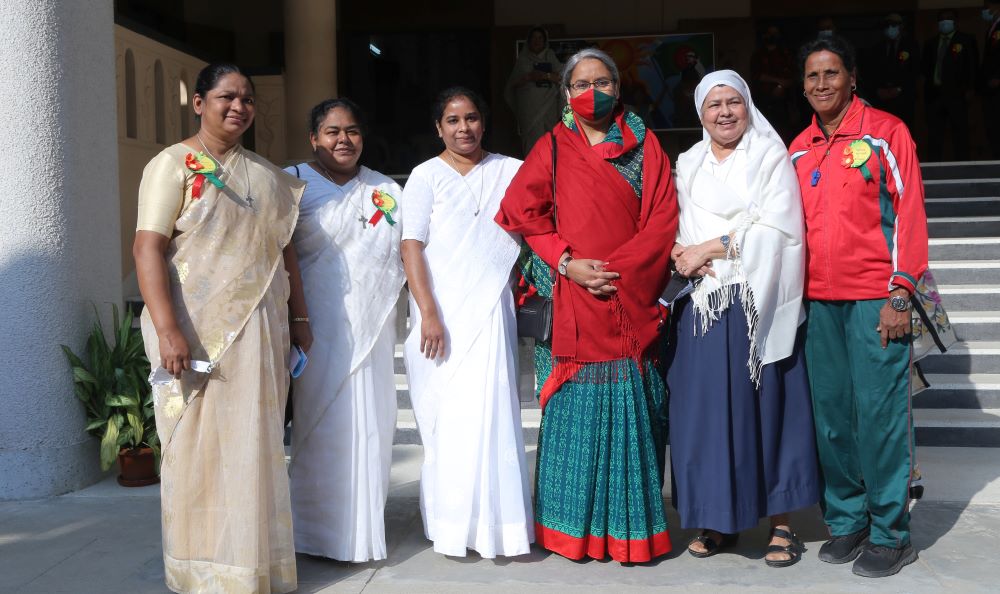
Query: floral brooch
(204, 167)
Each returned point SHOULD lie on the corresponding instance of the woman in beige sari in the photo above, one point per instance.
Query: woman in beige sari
(216, 273)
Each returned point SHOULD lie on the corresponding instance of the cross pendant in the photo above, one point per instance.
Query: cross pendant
(363, 225)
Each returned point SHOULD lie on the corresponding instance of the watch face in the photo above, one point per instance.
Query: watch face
(899, 303)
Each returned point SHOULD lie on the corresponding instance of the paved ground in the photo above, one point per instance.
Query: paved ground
(106, 539)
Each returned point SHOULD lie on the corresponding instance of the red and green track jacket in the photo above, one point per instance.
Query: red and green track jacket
(863, 200)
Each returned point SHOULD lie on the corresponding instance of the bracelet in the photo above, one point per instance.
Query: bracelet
(305, 320)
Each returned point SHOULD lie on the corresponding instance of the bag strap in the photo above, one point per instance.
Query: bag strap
(555, 211)
(297, 171)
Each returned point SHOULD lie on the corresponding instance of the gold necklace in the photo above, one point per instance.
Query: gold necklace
(482, 178)
(328, 175)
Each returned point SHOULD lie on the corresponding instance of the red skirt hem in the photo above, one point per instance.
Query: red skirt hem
(599, 547)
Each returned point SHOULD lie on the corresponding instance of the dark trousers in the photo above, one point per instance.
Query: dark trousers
(947, 110)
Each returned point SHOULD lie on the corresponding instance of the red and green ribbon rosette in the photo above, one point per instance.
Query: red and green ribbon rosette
(856, 155)
(385, 204)
(204, 168)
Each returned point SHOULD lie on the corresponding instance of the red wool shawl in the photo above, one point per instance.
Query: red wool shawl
(600, 218)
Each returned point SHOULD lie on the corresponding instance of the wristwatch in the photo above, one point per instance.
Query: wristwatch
(725, 242)
(563, 263)
(899, 303)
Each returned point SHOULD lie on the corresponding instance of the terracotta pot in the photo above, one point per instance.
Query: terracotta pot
(138, 468)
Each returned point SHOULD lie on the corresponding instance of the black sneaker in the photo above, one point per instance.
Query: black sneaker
(844, 549)
(879, 561)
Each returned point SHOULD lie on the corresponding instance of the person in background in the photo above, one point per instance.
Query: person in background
(990, 76)
(532, 90)
(461, 353)
(772, 79)
(347, 242)
(825, 27)
(866, 246)
(949, 68)
(741, 428)
(600, 248)
(890, 69)
(219, 277)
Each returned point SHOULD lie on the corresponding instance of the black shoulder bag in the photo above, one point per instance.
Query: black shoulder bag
(534, 318)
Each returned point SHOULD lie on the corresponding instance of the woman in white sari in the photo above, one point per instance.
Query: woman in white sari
(347, 240)
(461, 351)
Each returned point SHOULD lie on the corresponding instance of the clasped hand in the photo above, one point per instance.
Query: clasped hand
(593, 276)
(691, 261)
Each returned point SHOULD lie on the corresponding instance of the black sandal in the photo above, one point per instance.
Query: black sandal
(794, 549)
(712, 547)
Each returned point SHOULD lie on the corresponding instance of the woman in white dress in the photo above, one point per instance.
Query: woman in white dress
(461, 352)
(347, 240)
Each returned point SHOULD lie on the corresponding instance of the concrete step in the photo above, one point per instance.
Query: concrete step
(962, 188)
(964, 248)
(970, 297)
(964, 357)
(960, 170)
(962, 390)
(948, 427)
(956, 272)
(956, 427)
(407, 432)
(962, 207)
(982, 226)
(976, 325)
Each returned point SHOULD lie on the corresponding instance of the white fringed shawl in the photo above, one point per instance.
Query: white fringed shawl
(768, 252)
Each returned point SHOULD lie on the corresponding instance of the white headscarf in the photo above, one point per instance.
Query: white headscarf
(767, 257)
(729, 78)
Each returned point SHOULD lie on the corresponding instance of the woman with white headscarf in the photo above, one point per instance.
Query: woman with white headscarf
(741, 429)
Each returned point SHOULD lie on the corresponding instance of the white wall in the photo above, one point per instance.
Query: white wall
(59, 233)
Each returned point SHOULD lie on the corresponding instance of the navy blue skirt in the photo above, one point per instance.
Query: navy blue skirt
(737, 453)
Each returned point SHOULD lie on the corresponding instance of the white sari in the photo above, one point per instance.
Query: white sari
(345, 400)
(474, 481)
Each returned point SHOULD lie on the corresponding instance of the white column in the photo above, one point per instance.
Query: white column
(310, 66)
(59, 232)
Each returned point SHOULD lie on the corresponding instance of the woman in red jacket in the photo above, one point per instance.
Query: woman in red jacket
(866, 241)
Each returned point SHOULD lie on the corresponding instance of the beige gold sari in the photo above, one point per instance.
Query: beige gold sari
(226, 518)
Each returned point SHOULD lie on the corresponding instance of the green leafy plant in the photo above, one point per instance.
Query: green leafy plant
(111, 382)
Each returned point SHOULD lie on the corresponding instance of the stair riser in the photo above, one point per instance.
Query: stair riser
(960, 172)
(966, 276)
(961, 189)
(966, 437)
(947, 398)
(964, 229)
(947, 363)
(979, 331)
(411, 436)
(960, 251)
(962, 209)
(970, 302)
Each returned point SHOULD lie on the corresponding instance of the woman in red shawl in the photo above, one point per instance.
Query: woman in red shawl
(601, 447)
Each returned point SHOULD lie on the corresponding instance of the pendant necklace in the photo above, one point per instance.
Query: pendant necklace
(361, 212)
(482, 179)
(246, 173)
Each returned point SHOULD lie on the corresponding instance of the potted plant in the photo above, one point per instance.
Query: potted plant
(112, 383)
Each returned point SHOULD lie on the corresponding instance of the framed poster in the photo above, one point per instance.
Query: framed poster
(658, 72)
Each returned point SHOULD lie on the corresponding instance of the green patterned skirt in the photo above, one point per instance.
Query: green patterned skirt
(600, 455)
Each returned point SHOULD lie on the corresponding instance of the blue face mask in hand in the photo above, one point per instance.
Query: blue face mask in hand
(946, 26)
(892, 32)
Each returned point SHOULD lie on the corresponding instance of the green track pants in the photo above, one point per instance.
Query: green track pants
(864, 427)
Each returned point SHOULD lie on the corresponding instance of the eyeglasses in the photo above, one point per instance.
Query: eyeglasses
(601, 84)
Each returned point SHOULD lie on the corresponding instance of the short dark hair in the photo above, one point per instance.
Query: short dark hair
(210, 76)
(836, 44)
(947, 12)
(318, 113)
(445, 97)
